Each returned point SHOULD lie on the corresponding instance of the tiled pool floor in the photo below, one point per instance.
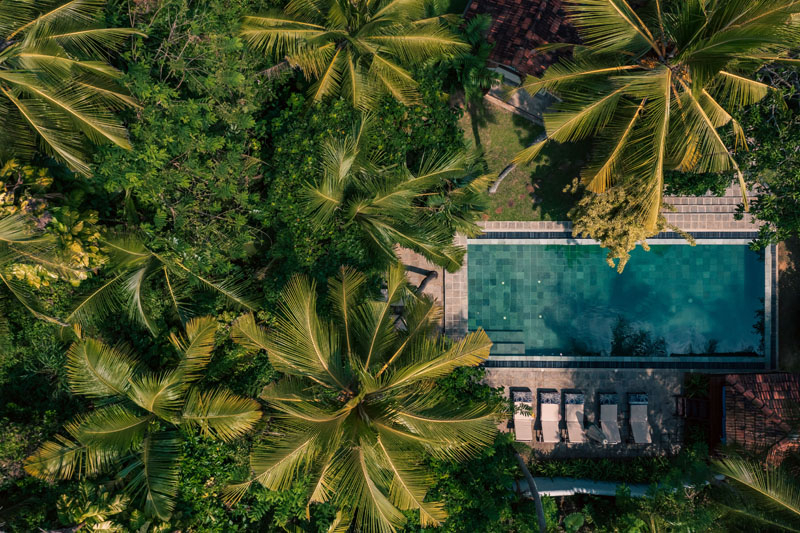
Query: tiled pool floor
(564, 299)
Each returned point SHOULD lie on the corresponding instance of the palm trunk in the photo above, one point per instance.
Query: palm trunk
(537, 500)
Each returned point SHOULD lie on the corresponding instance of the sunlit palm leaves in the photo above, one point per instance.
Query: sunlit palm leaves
(133, 430)
(20, 243)
(57, 92)
(356, 49)
(770, 497)
(361, 410)
(419, 210)
(133, 268)
(652, 86)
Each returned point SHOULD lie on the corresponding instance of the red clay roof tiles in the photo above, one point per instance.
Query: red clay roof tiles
(761, 409)
(519, 26)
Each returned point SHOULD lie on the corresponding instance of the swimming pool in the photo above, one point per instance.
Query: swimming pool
(675, 306)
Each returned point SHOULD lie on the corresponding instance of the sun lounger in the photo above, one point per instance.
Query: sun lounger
(523, 421)
(608, 418)
(549, 407)
(640, 426)
(573, 412)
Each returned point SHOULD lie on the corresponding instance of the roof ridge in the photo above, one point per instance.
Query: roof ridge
(771, 415)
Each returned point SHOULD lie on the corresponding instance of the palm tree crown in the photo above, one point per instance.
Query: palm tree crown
(361, 408)
(390, 204)
(132, 266)
(653, 85)
(56, 91)
(354, 48)
(135, 425)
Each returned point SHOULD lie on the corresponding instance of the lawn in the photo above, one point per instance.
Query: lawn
(531, 192)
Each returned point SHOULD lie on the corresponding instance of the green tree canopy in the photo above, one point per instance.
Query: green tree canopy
(57, 92)
(134, 427)
(359, 409)
(356, 49)
(652, 85)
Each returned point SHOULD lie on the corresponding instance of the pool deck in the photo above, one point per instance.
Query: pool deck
(661, 387)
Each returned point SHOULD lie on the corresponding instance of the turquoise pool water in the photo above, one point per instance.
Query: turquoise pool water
(537, 299)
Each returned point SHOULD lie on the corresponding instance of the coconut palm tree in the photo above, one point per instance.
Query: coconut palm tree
(769, 498)
(134, 428)
(653, 85)
(57, 92)
(392, 205)
(359, 409)
(132, 267)
(354, 48)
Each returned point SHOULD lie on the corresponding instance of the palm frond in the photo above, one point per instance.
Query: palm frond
(344, 291)
(432, 363)
(96, 370)
(157, 472)
(62, 458)
(611, 26)
(99, 303)
(220, 413)
(410, 483)
(114, 427)
(769, 485)
(196, 346)
(161, 394)
(302, 343)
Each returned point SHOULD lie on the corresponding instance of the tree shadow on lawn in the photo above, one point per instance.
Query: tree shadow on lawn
(553, 170)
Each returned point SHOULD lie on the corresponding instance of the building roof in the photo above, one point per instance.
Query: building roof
(761, 410)
(519, 26)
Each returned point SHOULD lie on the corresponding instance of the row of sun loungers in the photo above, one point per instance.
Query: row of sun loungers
(574, 409)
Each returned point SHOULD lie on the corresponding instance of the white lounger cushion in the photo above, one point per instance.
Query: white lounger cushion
(523, 424)
(574, 415)
(639, 424)
(550, 422)
(608, 423)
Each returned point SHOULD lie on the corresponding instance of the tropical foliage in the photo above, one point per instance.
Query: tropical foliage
(133, 267)
(653, 86)
(57, 91)
(770, 498)
(247, 154)
(390, 204)
(354, 49)
(134, 428)
(360, 409)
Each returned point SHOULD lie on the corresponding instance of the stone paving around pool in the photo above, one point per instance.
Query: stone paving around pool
(661, 387)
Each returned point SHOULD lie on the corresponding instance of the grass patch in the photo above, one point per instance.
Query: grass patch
(531, 192)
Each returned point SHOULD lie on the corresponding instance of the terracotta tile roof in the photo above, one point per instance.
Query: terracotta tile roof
(519, 26)
(761, 409)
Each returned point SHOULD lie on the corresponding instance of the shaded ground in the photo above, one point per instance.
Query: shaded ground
(532, 192)
(789, 305)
